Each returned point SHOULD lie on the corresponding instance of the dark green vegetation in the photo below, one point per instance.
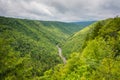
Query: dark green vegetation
(28, 47)
(94, 54)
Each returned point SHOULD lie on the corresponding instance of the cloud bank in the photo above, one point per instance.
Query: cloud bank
(60, 10)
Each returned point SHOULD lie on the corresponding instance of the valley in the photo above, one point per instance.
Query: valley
(28, 47)
(53, 50)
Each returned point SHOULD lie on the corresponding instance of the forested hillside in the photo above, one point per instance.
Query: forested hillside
(28, 47)
(94, 54)
(77, 42)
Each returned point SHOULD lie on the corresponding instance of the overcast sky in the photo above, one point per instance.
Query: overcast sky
(60, 10)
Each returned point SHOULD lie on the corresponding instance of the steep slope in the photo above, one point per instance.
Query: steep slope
(28, 47)
(99, 58)
(77, 42)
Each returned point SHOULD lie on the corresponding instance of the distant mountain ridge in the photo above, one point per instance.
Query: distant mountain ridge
(84, 23)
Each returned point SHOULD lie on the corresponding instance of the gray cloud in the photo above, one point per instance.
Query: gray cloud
(60, 10)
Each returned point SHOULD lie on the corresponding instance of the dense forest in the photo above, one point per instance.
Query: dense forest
(28, 47)
(28, 50)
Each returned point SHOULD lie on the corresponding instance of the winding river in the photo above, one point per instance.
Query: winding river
(60, 54)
